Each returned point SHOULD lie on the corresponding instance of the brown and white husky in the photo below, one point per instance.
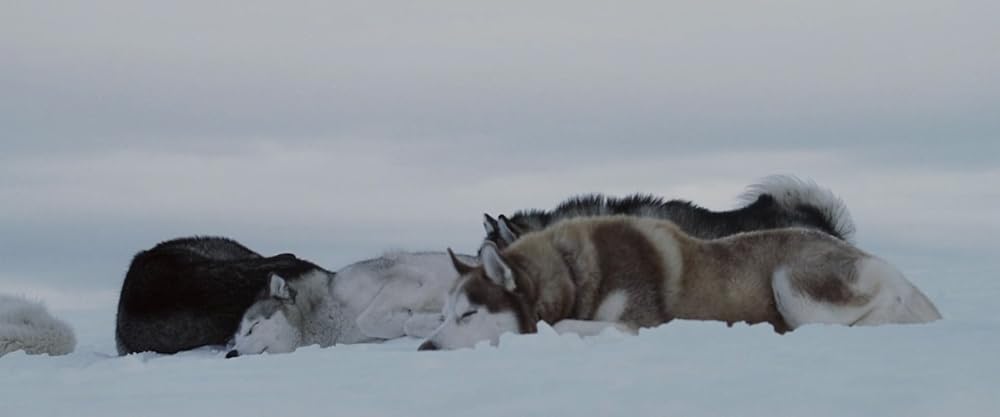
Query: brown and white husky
(586, 274)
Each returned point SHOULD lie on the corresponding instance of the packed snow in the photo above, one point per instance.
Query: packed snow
(684, 368)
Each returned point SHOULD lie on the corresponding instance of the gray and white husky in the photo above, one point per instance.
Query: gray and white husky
(27, 325)
(400, 294)
(587, 274)
(776, 202)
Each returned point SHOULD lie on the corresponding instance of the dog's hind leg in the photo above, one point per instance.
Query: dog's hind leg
(877, 293)
(798, 307)
(896, 299)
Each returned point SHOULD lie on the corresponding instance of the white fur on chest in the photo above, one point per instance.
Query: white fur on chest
(612, 307)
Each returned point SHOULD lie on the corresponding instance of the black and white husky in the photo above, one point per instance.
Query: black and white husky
(191, 292)
(399, 294)
(200, 291)
(587, 274)
(777, 202)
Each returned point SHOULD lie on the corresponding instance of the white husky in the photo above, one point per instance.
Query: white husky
(26, 325)
(400, 294)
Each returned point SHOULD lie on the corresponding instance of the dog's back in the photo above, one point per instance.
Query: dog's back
(776, 202)
(191, 292)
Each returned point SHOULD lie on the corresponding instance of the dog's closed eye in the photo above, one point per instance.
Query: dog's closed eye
(467, 314)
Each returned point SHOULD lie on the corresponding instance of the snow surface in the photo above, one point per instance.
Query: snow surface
(948, 368)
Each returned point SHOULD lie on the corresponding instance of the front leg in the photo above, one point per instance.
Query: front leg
(591, 328)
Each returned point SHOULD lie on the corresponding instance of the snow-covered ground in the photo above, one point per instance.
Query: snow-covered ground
(949, 368)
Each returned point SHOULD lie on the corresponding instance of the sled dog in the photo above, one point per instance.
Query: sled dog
(191, 292)
(586, 274)
(778, 201)
(26, 325)
(399, 294)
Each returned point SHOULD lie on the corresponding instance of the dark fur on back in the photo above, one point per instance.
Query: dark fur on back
(191, 292)
(764, 213)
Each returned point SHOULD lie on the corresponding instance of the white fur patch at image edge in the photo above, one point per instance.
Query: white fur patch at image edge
(27, 325)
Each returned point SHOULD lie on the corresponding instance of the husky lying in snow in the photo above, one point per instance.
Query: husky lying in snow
(584, 275)
(397, 295)
(777, 202)
(26, 325)
(191, 292)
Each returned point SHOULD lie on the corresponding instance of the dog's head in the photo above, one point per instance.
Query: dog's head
(483, 304)
(271, 324)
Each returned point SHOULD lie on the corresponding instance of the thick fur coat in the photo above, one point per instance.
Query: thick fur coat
(588, 273)
(776, 202)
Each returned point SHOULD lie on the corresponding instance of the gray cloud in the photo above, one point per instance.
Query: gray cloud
(719, 75)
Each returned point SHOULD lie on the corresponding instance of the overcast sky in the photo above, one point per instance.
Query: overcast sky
(336, 130)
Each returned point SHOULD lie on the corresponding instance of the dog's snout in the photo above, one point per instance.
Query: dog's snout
(428, 345)
(232, 354)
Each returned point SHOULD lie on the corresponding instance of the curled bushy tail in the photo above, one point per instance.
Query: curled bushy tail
(26, 325)
(795, 194)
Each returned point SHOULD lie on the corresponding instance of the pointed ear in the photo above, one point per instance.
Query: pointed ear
(490, 224)
(496, 268)
(509, 232)
(279, 288)
(461, 267)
